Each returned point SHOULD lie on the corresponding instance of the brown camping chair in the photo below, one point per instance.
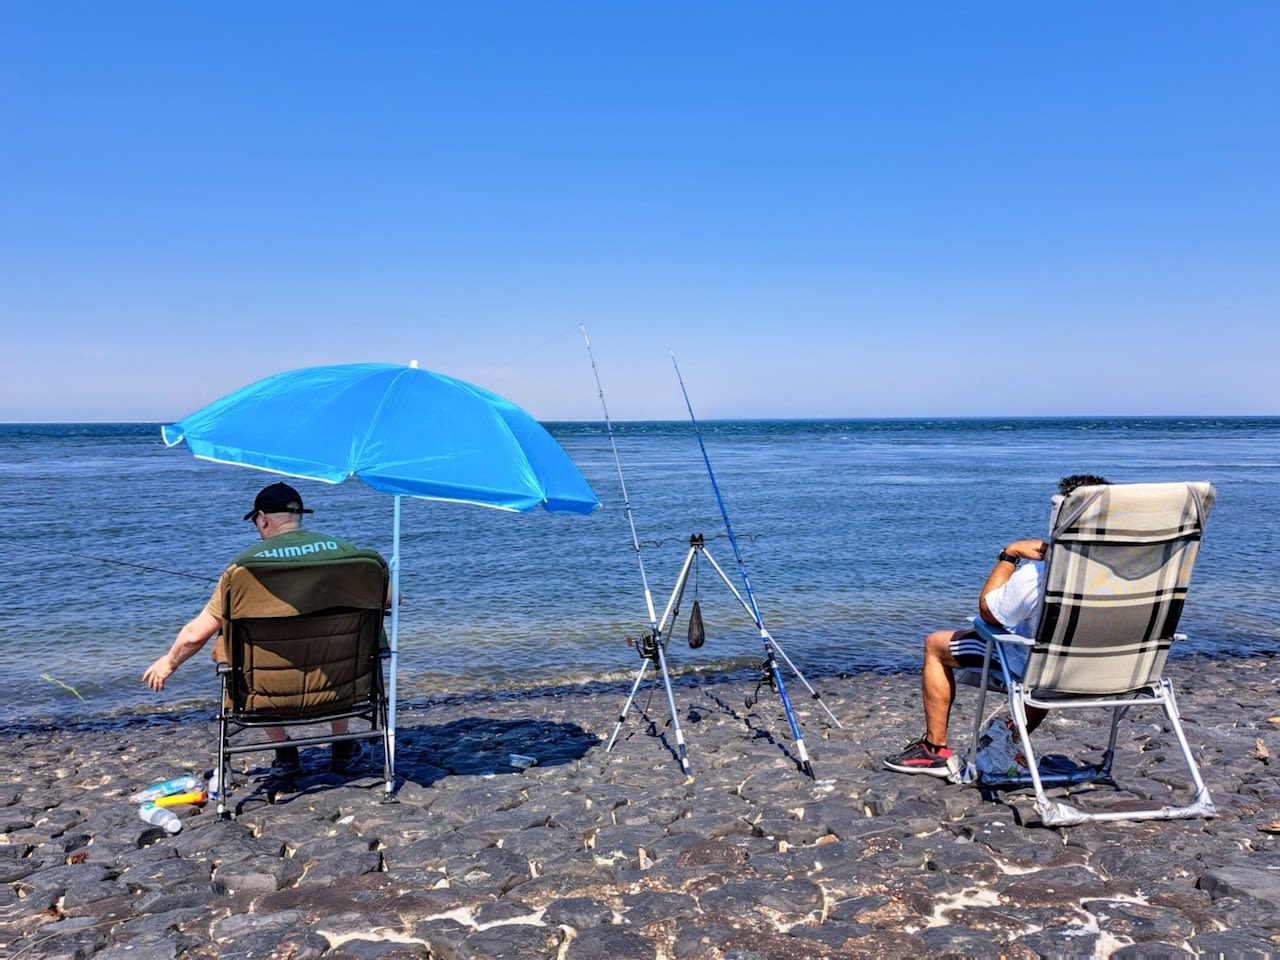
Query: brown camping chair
(301, 644)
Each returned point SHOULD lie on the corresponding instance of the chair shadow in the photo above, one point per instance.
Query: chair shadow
(427, 754)
(473, 746)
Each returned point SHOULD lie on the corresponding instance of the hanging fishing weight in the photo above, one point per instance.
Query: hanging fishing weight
(697, 633)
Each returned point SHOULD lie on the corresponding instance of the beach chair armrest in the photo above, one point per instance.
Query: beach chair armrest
(222, 667)
(987, 632)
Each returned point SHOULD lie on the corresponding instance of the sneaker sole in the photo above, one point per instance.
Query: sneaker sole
(944, 771)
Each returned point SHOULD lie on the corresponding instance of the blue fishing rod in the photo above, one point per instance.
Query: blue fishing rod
(652, 647)
(771, 650)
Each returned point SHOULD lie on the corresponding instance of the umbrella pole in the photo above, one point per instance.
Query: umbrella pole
(395, 646)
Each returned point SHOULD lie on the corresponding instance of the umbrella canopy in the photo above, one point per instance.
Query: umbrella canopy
(402, 430)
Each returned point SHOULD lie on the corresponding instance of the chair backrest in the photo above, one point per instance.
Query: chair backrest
(302, 639)
(1115, 580)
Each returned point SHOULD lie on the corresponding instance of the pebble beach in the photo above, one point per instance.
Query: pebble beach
(590, 854)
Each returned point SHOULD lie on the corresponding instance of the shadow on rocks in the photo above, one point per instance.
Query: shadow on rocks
(481, 745)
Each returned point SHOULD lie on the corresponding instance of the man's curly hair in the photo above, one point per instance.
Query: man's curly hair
(1067, 484)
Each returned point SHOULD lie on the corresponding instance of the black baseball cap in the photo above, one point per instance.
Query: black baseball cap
(277, 498)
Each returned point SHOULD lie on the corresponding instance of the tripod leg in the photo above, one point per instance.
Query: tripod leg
(771, 663)
(800, 676)
(796, 735)
(622, 714)
(682, 752)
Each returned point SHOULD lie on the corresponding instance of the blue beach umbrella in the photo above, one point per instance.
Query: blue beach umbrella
(402, 430)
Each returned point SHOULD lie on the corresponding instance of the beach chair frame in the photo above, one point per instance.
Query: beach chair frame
(302, 644)
(1115, 580)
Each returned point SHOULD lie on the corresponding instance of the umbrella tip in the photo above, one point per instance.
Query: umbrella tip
(414, 364)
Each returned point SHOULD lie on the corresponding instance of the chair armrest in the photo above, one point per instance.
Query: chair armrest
(987, 632)
(223, 668)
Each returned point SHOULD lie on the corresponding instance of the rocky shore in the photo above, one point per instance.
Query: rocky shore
(595, 855)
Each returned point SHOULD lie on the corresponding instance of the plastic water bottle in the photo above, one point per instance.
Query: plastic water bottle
(184, 784)
(215, 785)
(161, 817)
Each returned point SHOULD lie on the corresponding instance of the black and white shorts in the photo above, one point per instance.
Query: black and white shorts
(970, 650)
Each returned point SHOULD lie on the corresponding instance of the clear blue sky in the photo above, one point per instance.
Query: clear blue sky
(824, 209)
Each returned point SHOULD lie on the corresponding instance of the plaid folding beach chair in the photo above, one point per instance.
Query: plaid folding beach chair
(301, 644)
(1115, 580)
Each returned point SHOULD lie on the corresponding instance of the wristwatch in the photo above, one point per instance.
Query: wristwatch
(1007, 557)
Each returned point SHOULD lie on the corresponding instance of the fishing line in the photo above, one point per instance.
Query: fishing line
(771, 663)
(143, 566)
(622, 482)
(655, 632)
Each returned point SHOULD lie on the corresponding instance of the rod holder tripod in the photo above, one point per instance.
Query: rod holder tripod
(653, 653)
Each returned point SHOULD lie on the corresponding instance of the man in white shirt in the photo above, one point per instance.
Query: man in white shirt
(1010, 598)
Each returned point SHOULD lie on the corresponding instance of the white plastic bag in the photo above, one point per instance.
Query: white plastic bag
(999, 753)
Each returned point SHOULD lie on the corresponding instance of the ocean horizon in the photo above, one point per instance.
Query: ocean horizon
(859, 535)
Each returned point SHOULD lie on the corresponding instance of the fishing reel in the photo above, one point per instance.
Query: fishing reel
(646, 646)
(766, 678)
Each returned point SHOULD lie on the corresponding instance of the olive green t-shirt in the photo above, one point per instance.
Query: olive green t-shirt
(292, 546)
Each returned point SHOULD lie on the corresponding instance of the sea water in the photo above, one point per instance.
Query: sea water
(858, 536)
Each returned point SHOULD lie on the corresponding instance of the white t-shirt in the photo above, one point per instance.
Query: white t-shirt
(1017, 606)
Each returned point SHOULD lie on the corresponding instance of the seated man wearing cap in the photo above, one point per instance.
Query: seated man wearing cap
(277, 516)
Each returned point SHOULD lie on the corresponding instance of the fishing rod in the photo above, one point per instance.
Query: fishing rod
(143, 566)
(770, 645)
(652, 647)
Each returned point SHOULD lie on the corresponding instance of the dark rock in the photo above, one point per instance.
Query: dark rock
(648, 906)
(70, 941)
(296, 944)
(341, 867)
(360, 948)
(240, 925)
(512, 941)
(1232, 945)
(794, 899)
(64, 875)
(832, 933)
(611, 943)
(13, 869)
(500, 911)
(33, 904)
(1242, 882)
(618, 855)
(158, 923)
(951, 940)
(442, 935)
(80, 895)
(1137, 921)
(710, 852)
(153, 946)
(579, 913)
(490, 868)
(1051, 888)
(1151, 950)
(165, 873)
(179, 897)
(260, 874)
(1060, 943)
(963, 859)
